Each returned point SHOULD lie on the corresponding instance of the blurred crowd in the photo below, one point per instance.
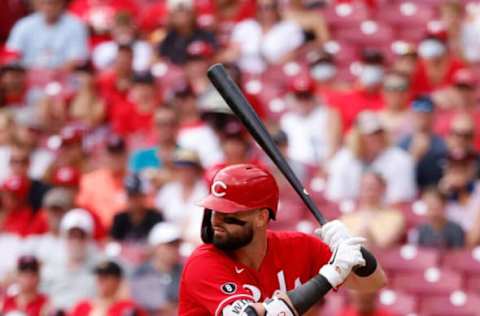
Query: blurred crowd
(110, 132)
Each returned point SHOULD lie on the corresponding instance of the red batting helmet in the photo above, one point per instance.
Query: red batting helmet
(242, 187)
(238, 188)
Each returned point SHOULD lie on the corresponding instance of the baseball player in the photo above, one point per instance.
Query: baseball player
(245, 269)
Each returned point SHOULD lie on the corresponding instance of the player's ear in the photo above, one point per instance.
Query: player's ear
(263, 217)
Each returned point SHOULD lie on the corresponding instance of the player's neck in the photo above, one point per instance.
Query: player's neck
(252, 255)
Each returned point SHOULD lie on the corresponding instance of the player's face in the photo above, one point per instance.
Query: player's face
(232, 231)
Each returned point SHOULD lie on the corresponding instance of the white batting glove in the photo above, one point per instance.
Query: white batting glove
(332, 233)
(346, 255)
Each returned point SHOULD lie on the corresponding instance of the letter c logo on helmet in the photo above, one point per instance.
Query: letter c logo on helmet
(219, 188)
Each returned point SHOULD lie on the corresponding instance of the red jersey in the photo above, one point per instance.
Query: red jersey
(211, 280)
(34, 308)
(119, 308)
(421, 84)
(23, 222)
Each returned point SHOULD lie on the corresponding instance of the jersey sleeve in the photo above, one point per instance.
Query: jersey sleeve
(212, 285)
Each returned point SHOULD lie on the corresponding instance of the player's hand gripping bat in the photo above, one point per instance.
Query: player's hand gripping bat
(235, 99)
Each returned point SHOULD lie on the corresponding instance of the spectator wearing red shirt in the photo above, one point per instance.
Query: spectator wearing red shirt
(109, 300)
(367, 95)
(29, 301)
(115, 83)
(18, 217)
(323, 70)
(364, 304)
(136, 115)
(436, 67)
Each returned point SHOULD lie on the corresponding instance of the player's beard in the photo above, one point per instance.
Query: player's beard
(234, 242)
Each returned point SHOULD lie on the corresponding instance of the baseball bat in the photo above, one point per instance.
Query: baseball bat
(237, 102)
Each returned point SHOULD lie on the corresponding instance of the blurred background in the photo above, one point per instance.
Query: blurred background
(110, 132)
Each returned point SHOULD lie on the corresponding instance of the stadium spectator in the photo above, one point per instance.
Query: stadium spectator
(405, 57)
(426, 148)
(459, 184)
(256, 43)
(438, 232)
(437, 65)
(135, 117)
(28, 301)
(382, 225)
(134, 223)
(396, 115)
(109, 300)
(324, 70)
(193, 133)
(115, 82)
(56, 203)
(101, 190)
(366, 93)
(362, 304)
(178, 198)
(156, 162)
(368, 147)
(181, 31)
(13, 83)
(199, 57)
(154, 284)
(50, 38)
(18, 217)
(303, 123)
(123, 32)
(70, 279)
(468, 39)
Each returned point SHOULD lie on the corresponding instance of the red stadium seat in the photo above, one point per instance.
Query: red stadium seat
(432, 281)
(346, 15)
(457, 304)
(408, 258)
(467, 260)
(415, 214)
(397, 302)
(473, 284)
(406, 14)
(368, 33)
(344, 53)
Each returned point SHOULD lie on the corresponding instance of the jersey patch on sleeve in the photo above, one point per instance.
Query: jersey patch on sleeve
(229, 288)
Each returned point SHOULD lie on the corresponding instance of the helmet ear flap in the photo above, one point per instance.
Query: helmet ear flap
(206, 232)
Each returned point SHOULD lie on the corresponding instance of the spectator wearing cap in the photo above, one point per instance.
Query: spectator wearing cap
(458, 100)
(256, 43)
(182, 30)
(70, 279)
(154, 284)
(199, 57)
(439, 231)
(366, 93)
(29, 301)
(367, 147)
(303, 122)
(135, 117)
(57, 202)
(109, 300)
(123, 32)
(323, 70)
(436, 66)
(383, 226)
(427, 148)
(13, 83)
(49, 38)
(18, 217)
(193, 132)
(22, 158)
(405, 57)
(134, 223)
(177, 198)
(102, 190)
(396, 115)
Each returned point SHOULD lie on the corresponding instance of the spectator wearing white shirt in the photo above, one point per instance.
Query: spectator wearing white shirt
(123, 32)
(268, 39)
(178, 199)
(312, 128)
(49, 38)
(368, 149)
